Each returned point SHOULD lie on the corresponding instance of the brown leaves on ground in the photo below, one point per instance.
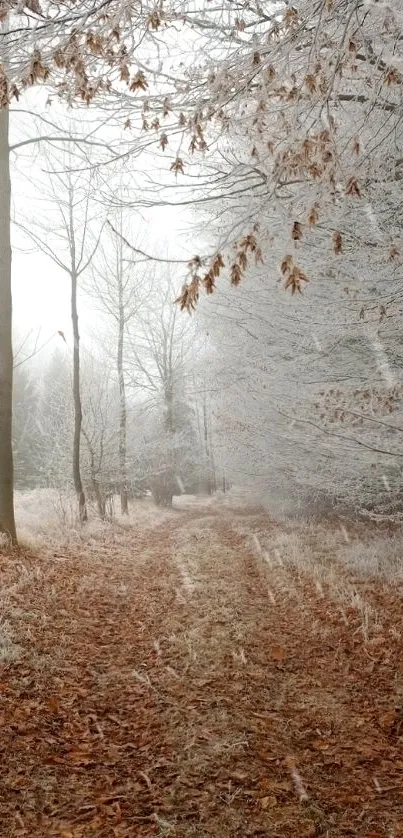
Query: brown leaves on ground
(174, 683)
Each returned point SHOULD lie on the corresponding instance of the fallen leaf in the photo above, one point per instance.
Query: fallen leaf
(53, 759)
(387, 719)
(80, 757)
(319, 745)
(268, 802)
(239, 776)
(278, 653)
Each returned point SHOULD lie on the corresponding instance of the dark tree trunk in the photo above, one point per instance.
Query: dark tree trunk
(98, 494)
(124, 506)
(78, 415)
(7, 521)
(162, 490)
(101, 504)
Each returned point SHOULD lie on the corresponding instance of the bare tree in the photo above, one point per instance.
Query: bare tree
(7, 522)
(53, 422)
(118, 286)
(307, 127)
(71, 244)
(99, 423)
(158, 363)
(75, 50)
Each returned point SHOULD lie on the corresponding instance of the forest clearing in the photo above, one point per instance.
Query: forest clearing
(206, 672)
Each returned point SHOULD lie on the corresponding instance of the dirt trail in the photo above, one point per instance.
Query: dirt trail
(177, 683)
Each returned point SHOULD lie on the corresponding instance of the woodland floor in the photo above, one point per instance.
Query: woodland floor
(188, 681)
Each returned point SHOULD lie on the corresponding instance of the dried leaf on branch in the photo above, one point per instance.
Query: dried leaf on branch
(353, 188)
(337, 243)
(177, 166)
(138, 82)
(296, 232)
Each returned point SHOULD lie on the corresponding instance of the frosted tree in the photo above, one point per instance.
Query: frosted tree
(302, 117)
(53, 428)
(25, 427)
(70, 240)
(100, 418)
(117, 287)
(159, 367)
(297, 107)
(79, 52)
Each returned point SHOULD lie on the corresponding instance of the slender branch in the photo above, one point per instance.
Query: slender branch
(60, 139)
(142, 252)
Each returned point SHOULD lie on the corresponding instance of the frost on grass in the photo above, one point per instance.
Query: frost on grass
(333, 562)
(381, 557)
(48, 518)
(9, 650)
(188, 542)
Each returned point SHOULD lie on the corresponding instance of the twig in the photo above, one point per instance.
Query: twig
(297, 780)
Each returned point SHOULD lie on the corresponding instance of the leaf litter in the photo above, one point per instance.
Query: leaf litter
(248, 705)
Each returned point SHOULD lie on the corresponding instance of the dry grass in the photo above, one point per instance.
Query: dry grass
(9, 650)
(379, 558)
(47, 518)
(343, 563)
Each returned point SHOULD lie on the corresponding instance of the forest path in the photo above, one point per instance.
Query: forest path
(180, 682)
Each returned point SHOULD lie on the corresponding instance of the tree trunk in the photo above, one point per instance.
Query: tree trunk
(161, 489)
(98, 494)
(78, 414)
(209, 450)
(7, 521)
(124, 507)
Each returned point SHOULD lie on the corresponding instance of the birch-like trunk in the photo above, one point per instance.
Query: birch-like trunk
(7, 521)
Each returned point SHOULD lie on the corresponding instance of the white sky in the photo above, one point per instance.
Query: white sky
(41, 292)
